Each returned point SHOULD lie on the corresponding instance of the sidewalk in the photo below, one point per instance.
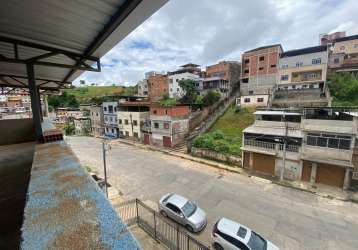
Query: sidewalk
(317, 189)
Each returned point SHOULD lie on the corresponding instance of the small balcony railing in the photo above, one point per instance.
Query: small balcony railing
(271, 146)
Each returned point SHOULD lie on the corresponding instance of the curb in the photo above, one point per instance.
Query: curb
(237, 171)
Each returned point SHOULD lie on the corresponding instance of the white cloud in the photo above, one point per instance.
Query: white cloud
(205, 32)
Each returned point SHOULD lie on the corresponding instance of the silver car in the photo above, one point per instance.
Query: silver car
(183, 211)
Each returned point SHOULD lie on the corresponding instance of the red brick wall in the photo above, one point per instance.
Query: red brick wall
(170, 111)
(257, 67)
(218, 68)
(158, 86)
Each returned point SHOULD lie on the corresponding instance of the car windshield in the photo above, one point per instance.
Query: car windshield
(256, 242)
(189, 208)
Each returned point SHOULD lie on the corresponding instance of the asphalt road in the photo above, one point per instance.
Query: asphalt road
(289, 218)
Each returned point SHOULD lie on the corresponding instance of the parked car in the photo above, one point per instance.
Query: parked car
(230, 235)
(183, 211)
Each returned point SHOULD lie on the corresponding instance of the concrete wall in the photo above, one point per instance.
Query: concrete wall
(254, 100)
(326, 154)
(175, 91)
(332, 126)
(347, 47)
(134, 116)
(16, 131)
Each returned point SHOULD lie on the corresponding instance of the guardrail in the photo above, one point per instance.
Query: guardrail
(160, 228)
(271, 146)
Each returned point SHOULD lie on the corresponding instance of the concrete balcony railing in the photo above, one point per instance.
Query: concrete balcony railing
(270, 124)
(272, 147)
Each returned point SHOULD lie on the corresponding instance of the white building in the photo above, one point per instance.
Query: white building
(175, 91)
(143, 87)
(110, 119)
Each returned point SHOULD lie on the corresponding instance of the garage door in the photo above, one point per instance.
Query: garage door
(330, 175)
(264, 163)
(306, 171)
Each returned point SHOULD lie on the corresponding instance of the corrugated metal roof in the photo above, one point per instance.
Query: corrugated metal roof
(81, 29)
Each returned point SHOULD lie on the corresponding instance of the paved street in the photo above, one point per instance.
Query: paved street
(290, 218)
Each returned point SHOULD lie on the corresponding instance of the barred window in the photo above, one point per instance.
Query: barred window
(329, 140)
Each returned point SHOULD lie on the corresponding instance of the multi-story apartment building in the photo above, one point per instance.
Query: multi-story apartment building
(344, 54)
(132, 116)
(168, 126)
(302, 78)
(110, 119)
(142, 86)
(157, 86)
(321, 145)
(82, 125)
(97, 121)
(259, 74)
(188, 71)
(223, 76)
(326, 39)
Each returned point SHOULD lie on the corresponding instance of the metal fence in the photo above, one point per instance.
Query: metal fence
(160, 228)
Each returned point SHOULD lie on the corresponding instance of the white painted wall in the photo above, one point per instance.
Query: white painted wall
(254, 100)
(175, 91)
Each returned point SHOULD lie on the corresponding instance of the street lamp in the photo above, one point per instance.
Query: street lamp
(105, 147)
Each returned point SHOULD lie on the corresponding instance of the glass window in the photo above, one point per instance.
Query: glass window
(311, 140)
(257, 242)
(333, 143)
(246, 100)
(120, 121)
(242, 232)
(246, 61)
(156, 125)
(284, 77)
(322, 141)
(135, 123)
(173, 208)
(189, 208)
(344, 144)
(273, 65)
(126, 122)
(260, 99)
(246, 71)
(316, 61)
(261, 68)
(262, 58)
(166, 125)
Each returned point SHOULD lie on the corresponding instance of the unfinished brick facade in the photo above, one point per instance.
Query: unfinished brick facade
(158, 86)
(174, 111)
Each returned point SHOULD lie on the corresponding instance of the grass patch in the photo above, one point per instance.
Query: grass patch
(85, 94)
(226, 134)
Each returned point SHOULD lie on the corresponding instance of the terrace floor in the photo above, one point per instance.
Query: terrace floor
(15, 166)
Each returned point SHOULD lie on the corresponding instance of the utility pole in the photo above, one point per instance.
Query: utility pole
(104, 149)
(284, 150)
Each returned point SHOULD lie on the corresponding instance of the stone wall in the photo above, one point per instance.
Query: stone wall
(212, 155)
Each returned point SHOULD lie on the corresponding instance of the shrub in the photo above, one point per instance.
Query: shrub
(218, 135)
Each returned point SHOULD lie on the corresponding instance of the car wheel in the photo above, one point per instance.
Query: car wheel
(189, 228)
(217, 246)
(163, 213)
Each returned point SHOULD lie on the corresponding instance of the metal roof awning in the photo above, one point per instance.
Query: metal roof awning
(273, 112)
(62, 39)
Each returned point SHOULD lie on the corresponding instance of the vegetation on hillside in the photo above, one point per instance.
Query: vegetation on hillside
(166, 101)
(226, 134)
(61, 101)
(86, 94)
(344, 89)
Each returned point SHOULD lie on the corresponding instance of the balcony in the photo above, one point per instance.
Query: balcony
(270, 146)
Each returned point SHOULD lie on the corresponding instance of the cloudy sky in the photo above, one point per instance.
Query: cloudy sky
(207, 31)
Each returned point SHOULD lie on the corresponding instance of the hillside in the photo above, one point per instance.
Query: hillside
(85, 94)
(226, 134)
(344, 89)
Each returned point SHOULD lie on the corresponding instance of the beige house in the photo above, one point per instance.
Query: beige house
(344, 54)
(321, 146)
(97, 125)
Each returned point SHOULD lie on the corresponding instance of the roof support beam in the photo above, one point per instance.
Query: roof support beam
(34, 95)
(123, 11)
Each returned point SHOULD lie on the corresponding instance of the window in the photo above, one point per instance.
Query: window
(336, 60)
(156, 125)
(261, 58)
(177, 80)
(273, 66)
(135, 123)
(261, 68)
(120, 121)
(166, 111)
(111, 119)
(173, 208)
(284, 77)
(105, 108)
(246, 71)
(251, 92)
(135, 134)
(293, 86)
(233, 241)
(126, 122)
(329, 140)
(260, 99)
(247, 61)
(110, 109)
(155, 111)
(284, 66)
(96, 114)
(166, 125)
(112, 131)
(127, 133)
(115, 119)
(316, 61)
(246, 100)
(170, 80)
(245, 80)
(299, 64)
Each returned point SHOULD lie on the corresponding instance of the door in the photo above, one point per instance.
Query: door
(264, 163)
(330, 175)
(174, 212)
(306, 171)
(146, 139)
(167, 141)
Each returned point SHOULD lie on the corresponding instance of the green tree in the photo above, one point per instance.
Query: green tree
(167, 102)
(69, 128)
(344, 88)
(63, 100)
(211, 97)
(188, 86)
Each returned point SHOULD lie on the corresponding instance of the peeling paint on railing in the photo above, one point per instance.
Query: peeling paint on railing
(66, 209)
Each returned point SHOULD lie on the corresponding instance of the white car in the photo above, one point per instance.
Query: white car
(230, 235)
